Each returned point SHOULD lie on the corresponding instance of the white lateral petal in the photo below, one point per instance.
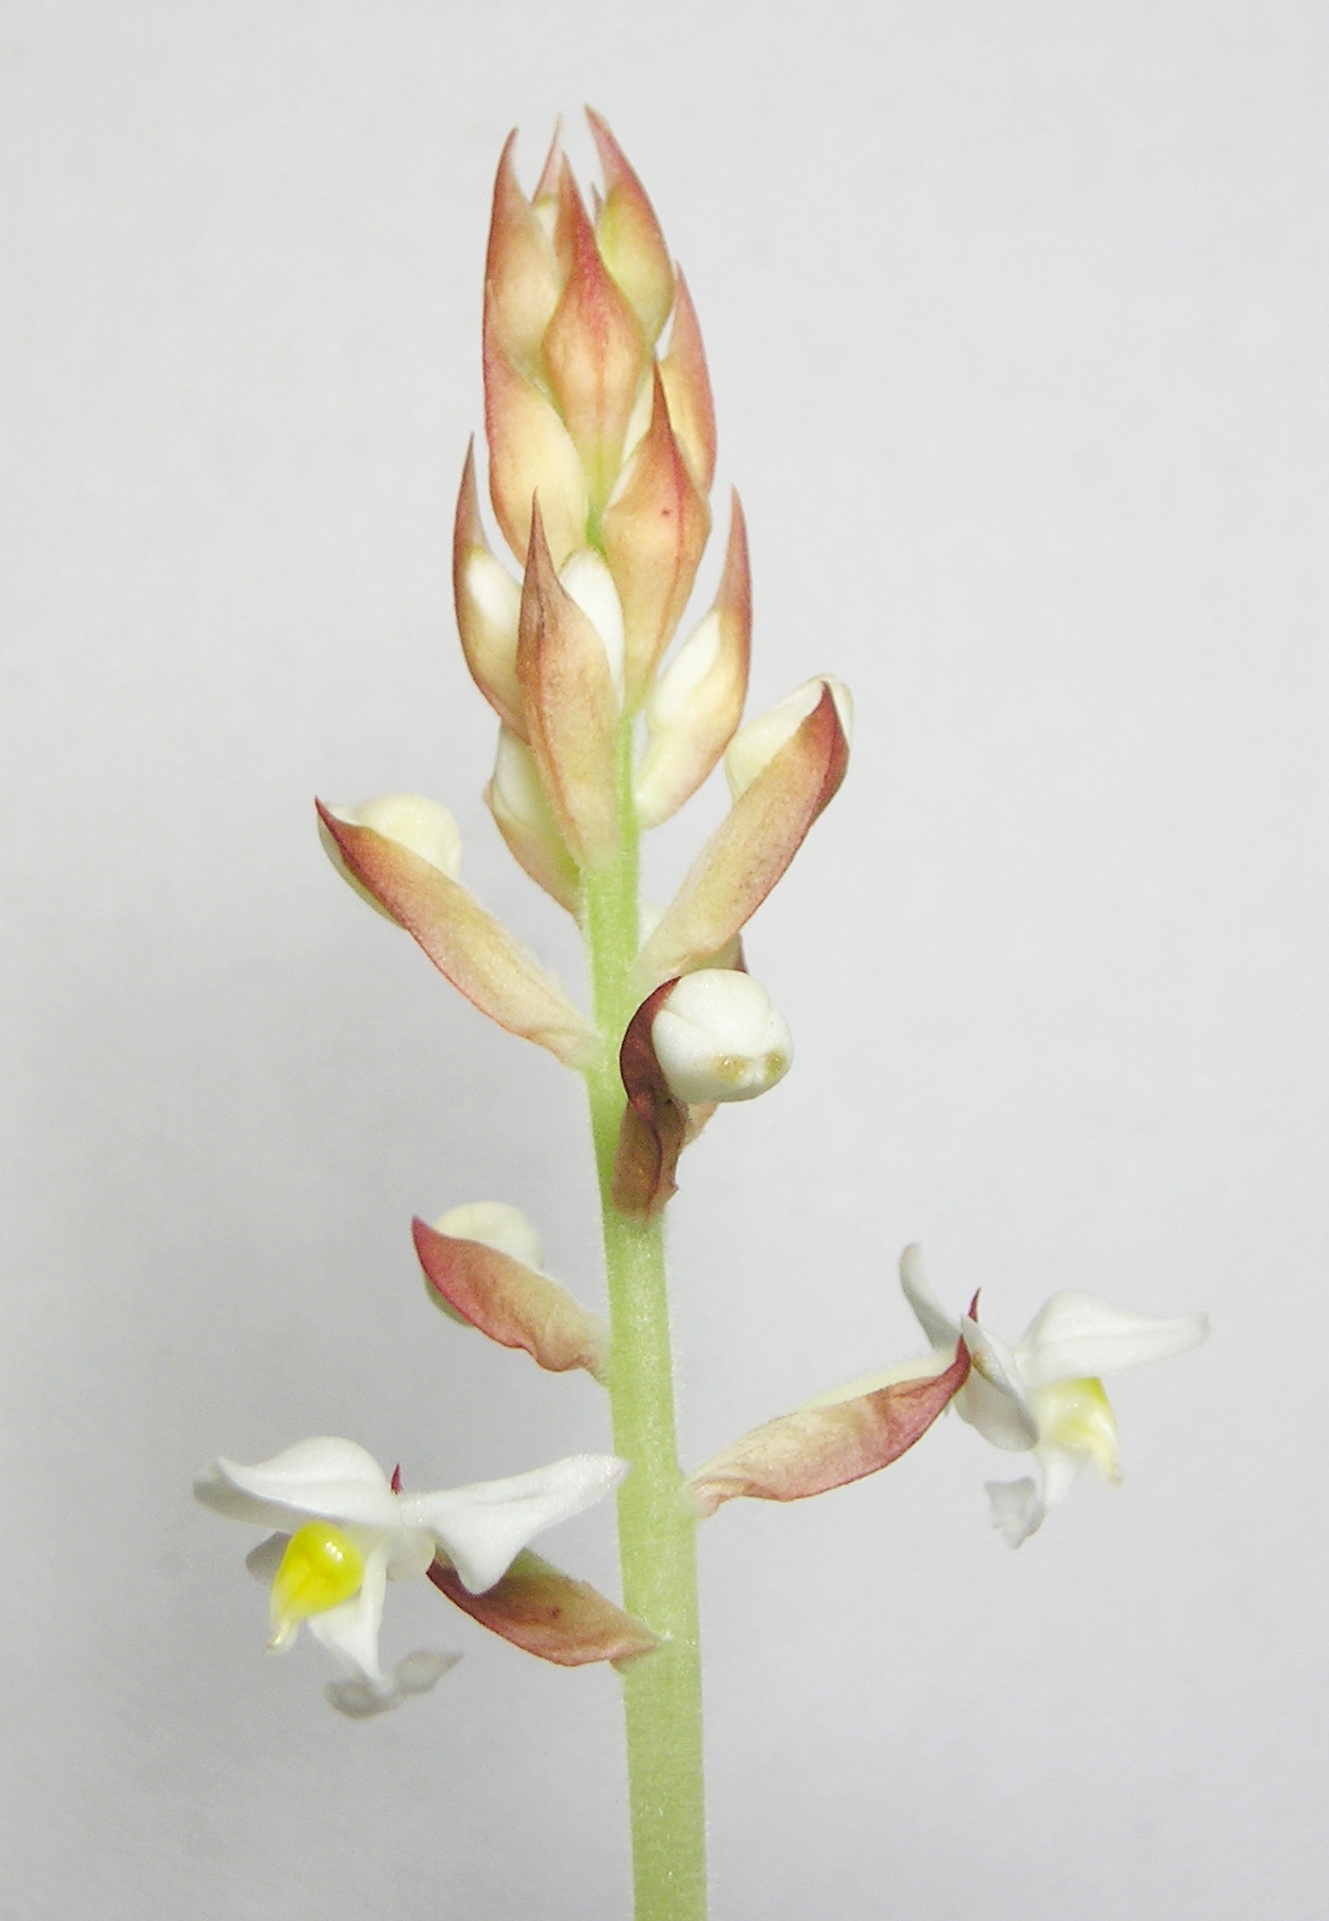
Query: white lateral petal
(484, 1527)
(1077, 1335)
(931, 1316)
(336, 1480)
(993, 1398)
(1017, 1511)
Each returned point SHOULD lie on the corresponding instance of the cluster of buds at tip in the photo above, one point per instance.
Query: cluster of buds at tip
(601, 457)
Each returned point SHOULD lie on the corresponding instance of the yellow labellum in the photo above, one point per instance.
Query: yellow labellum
(321, 1568)
(1077, 1416)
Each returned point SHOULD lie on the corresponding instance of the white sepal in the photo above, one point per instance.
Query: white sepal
(325, 1478)
(1077, 1335)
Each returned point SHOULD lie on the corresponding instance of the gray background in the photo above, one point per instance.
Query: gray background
(1016, 319)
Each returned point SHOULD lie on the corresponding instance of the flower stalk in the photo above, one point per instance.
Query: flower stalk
(656, 1529)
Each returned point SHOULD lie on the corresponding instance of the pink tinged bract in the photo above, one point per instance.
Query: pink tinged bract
(571, 708)
(819, 1448)
(697, 702)
(594, 352)
(752, 847)
(655, 529)
(488, 601)
(513, 1304)
(530, 449)
(523, 279)
(629, 236)
(655, 1127)
(549, 1614)
(687, 386)
(465, 942)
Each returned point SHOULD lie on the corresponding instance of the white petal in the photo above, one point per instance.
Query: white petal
(993, 1398)
(1017, 1511)
(1077, 1335)
(935, 1322)
(484, 1527)
(335, 1480)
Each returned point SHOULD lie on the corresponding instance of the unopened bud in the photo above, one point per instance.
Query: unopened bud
(587, 580)
(494, 1224)
(422, 826)
(523, 816)
(755, 746)
(717, 1038)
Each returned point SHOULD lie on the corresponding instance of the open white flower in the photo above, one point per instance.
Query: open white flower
(1046, 1395)
(342, 1530)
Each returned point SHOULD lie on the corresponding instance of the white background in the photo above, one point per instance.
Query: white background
(1016, 319)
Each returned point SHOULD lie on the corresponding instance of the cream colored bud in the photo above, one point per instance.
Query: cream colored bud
(717, 1038)
(753, 747)
(523, 816)
(414, 822)
(496, 594)
(493, 1224)
(586, 580)
(421, 826)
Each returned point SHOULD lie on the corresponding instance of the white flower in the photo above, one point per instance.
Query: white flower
(1045, 1395)
(342, 1531)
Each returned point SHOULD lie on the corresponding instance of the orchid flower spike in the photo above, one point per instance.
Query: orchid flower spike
(1046, 1395)
(342, 1530)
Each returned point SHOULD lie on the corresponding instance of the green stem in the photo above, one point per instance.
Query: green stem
(657, 1546)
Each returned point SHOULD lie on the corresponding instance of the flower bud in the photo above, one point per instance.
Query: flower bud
(494, 1224)
(523, 816)
(595, 352)
(522, 276)
(655, 529)
(687, 387)
(717, 1038)
(696, 703)
(422, 826)
(587, 580)
(488, 603)
(482, 1266)
(466, 943)
(629, 237)
(570, 706)
(755, 746)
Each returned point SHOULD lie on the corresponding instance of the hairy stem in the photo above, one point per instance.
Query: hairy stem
(657, 1547)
